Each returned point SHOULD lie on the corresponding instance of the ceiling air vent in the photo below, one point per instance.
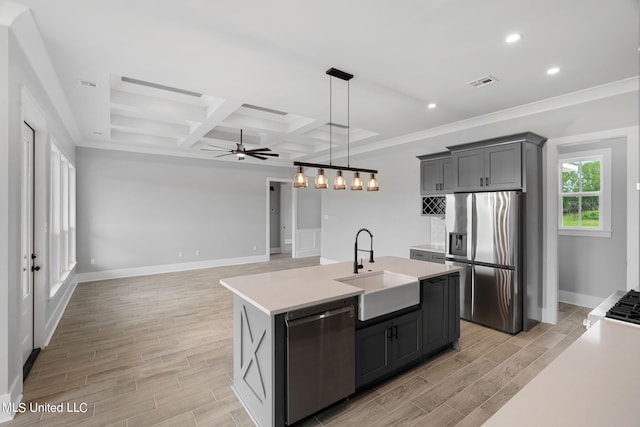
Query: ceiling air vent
(338, 125)
(483, 81)
(87, 83)
(265, 109)
(159, 86)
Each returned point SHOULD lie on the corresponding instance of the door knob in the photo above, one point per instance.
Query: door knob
(36, 268)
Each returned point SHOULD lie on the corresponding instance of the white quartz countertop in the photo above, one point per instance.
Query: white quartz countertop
(595, 382)
(429, 248)
(282, 291)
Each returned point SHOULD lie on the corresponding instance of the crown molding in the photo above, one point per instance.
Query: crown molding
(619, 87)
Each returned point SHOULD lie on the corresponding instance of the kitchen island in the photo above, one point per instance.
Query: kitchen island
(595, 382)
(384, 345)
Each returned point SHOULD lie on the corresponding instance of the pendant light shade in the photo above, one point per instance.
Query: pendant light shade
(356, 184)
(339, 183)
(321, 179)
(300, 180)
(372, 185)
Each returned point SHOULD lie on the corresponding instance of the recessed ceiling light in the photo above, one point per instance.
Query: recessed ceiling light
(512, 38)
(553, 70)
(431, 105)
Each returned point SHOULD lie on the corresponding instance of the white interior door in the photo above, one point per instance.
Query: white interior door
(26, 321)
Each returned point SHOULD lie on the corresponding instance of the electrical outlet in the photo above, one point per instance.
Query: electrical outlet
(255, 247)
(180, 254)
(92, 261)
(197, 252)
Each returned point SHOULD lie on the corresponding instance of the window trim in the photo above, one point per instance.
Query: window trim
(62, 217)
(604, 155)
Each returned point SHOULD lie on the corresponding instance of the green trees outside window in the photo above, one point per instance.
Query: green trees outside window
(581, 182)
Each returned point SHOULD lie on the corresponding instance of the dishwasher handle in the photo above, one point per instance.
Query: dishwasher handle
(319, 316)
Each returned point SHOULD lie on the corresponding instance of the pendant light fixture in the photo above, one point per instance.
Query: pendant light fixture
(339, 183)
(356, 184)
(321, 179)
(372, 185)
(300, 180)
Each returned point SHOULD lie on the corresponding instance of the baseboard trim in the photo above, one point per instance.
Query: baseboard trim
(579, 299)
(56, 315)
(166, 268)
(10, 402)
(304, 253)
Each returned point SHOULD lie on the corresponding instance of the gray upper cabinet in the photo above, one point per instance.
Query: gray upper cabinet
(511, 162)
(436, 174)
(490, 168)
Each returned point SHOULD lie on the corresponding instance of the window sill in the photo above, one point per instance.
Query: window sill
(584, 233)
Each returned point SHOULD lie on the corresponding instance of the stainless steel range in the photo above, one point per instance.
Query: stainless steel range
(627, 309)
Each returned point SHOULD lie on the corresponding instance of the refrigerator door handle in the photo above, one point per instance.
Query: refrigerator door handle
(473, 241)
(473, 291)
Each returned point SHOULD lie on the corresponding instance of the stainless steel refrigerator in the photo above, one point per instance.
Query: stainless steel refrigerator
(484, 236)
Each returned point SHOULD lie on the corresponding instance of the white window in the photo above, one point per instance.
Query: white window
(62, 237)
(585, 193)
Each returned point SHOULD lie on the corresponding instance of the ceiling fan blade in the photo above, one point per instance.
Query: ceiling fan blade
(222, 155)
(211, 149)
(255, 150)
(269, 154)
(217, 146)
(257, 156)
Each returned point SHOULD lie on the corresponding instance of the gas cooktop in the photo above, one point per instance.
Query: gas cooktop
(627, 309)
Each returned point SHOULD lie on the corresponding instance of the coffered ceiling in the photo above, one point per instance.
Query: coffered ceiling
(175, 77)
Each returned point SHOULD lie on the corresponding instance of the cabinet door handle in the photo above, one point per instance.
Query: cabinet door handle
(395, 331)
(389, 333)
(481, 181)
(486, 181)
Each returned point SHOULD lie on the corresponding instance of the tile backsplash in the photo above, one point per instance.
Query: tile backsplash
(438, 233)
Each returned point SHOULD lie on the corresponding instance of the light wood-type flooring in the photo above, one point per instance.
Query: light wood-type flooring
(157, 350)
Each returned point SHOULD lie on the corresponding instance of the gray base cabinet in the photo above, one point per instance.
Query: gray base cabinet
(394, 343)
(426, 256)
(386, 346)
(440, 312)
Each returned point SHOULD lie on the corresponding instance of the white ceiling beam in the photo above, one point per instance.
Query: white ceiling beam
(147, 126)
(218, 112)
(161, 107)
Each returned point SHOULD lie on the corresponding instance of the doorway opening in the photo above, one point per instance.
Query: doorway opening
(280, 219)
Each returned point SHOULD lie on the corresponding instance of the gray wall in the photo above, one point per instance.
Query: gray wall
(8, 244)
(138, 210)
(391, 214)
(308, 207)
(597, 266)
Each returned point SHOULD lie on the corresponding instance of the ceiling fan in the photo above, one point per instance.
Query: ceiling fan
(241, 151)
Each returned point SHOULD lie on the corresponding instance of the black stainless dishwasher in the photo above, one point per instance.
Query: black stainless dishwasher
(320, 357)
